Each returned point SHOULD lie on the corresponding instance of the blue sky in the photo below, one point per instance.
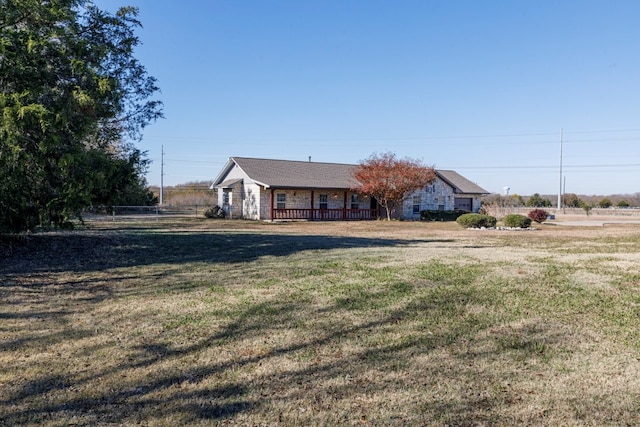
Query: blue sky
(481, 87)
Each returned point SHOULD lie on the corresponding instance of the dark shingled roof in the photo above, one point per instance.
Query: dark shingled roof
(460, 183)
(299, 174)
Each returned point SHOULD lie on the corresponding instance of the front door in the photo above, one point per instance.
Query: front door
(374, 208)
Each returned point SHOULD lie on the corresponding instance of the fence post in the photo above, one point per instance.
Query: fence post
(113, 213)
(157, 213)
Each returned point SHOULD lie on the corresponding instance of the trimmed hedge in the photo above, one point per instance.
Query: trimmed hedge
(516, 221)
(437, 215)
(474, 220)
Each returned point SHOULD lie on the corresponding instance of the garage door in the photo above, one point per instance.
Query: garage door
(462, 203)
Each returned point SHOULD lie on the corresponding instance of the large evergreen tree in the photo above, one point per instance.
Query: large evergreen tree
(72, 98)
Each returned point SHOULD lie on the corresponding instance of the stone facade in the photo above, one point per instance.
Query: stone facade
(437, 196)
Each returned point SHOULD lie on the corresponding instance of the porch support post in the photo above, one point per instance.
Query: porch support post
(312, 213)
(271, 203)
(344, 207)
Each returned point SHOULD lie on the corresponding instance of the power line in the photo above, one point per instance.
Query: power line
(393, 138)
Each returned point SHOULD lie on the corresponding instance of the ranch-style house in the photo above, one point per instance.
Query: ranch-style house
(268, 189)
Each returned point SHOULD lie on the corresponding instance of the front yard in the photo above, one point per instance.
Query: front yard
(196, 322)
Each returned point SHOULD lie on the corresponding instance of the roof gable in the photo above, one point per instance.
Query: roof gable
(229, 183)
(459, 183)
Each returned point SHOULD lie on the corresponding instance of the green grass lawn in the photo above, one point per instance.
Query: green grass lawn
(377, 323)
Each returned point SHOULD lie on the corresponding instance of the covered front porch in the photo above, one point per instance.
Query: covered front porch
(325, 214)
(321, 205)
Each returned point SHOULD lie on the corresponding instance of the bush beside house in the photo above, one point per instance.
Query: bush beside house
(474, 220)
(516, 221)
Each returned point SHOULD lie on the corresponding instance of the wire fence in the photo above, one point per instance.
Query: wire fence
(158, 213)
(148, 213)
(500, 211)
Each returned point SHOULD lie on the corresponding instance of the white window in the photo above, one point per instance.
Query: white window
(416, 204)
(355, 203)
(324, 201)
(226, 197)
(281, 200)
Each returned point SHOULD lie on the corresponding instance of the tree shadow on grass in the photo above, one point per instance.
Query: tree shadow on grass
(85, 251)
(182, 382)
(56, 395)
(197, 392)
(205, 402)
(28, 270)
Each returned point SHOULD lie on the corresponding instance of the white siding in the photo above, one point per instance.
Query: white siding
(235, 173)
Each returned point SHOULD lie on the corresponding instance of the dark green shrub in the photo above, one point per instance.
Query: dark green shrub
(623, 204)
(605, 203)
(572, 201)
(537, 201)
(516, 221)
(474, 220)
(538, 215)
(438, 215)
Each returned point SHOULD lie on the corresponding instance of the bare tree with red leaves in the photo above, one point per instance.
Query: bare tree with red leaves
(389, 179)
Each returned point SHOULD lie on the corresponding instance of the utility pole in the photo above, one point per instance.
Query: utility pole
(560, 189)
(162, 175)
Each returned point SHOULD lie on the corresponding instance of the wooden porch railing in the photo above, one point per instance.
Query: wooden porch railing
(326, 214)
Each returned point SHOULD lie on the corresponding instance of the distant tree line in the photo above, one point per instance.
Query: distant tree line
(569, 200)
(188, 194)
